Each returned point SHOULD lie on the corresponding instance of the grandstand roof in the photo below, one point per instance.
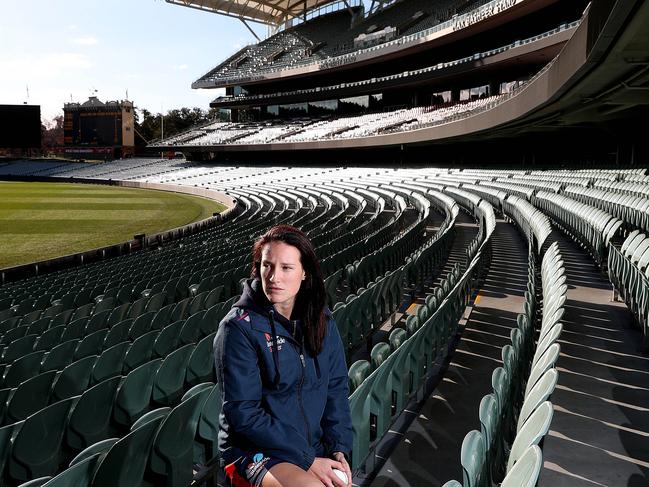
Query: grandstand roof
(271, 12)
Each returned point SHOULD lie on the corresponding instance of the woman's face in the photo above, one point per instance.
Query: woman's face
(281, 274)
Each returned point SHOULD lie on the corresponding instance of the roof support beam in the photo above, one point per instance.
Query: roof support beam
(243, 21)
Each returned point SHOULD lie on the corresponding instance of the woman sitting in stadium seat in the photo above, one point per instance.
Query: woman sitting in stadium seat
(281, 370)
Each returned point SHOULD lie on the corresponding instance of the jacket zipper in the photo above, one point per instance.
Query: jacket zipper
(299, 393)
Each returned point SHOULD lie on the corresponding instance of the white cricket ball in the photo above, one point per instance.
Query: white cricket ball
(341, 475)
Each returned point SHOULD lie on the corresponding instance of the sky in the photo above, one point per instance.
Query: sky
(56, 51)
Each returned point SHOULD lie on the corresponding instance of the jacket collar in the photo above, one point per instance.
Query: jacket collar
(253, 299)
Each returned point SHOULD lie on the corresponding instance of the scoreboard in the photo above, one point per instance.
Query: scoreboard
(93, 127)
(20, 126)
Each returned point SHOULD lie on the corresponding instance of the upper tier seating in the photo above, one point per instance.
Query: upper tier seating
(305, 44)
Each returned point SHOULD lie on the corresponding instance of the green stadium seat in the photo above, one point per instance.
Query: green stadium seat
(44, 428)
(7, 433)
(541, 391)
(201, 362)
(23, 368)
(204, 386)
(29, 318)
(134, 396)
(382, 406)
(172, 452)
(419, 358)
(118, 314)
(342, 323)
(67, 300)
(412, 325)
(14, 334)
(170, 378)
(83, 297)
(490, 428)
(29, 397)
(60, 356)
(118, 333)
(547, 338)
(162, 317)
(39, 326)
(544, 363)
(43, 301)
(78, 475)
(181, 310)
(74, 379)
(168, 339)
(473, 459)
(182, 290)
(156, 302)
(531, 433)
(379, 354)
(92, 344)
(213, 297)
(431, 304)
(62, 318)
(525, 472)
(359, 404)
(5, 395)
(191, 330)
(206, 446)
(110, 363)
(141, 325)
(52, 311)
(96, 322)
(9, 324)
(90, 421)
(397, 337)
(140, 351)
(83, 311)
(137, 308)
(125, 462)
(36, 482)
(358, 372)
(162, 412)
(75, 330)
(19, 348)
(197, 304)
(209, 323)
(106, 304)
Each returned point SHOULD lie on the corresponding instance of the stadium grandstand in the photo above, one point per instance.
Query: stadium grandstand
(475, 178)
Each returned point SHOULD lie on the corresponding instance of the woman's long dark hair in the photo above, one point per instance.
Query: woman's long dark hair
(311, 298)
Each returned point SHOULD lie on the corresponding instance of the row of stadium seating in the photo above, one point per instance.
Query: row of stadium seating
(263, 199)
(402, 366)
(419, 18)
(177, 328)
(314, 129)
(404, 76)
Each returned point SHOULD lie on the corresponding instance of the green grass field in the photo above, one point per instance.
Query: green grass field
(44, 220)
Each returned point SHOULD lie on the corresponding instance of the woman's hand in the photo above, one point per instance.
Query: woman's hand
(322, 468)
(340, 457)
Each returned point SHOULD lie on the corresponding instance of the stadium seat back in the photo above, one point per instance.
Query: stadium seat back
(90, 421)
(125, 462)
(44, 428)
(170, 378)
(173, 445)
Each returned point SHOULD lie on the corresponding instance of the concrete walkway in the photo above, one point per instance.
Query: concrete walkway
(600, 431)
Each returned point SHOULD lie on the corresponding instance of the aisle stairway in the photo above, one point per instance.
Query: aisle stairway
(428, 452)
(600, 431)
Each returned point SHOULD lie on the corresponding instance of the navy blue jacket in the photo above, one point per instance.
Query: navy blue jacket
(278, 400)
